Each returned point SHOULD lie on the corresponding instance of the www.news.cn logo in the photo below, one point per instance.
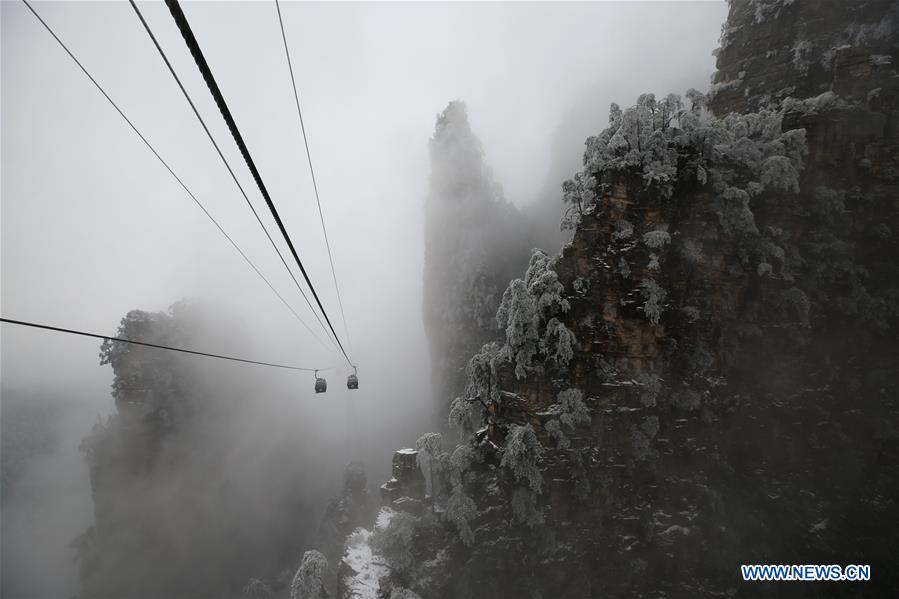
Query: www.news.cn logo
(807, 572)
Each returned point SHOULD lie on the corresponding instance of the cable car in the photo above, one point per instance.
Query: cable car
(352, 381)
(321, 385)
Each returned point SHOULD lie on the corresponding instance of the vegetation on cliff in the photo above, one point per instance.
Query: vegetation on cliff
(640, 377)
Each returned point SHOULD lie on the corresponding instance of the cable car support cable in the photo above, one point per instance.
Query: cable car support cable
(170, 170)
(155, 345)
(224, 160)
(203, 66)
(321, 216)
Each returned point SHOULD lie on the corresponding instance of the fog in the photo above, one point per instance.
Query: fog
(93, 226)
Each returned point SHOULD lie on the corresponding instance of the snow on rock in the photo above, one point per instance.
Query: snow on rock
(384, 517)
(361, 569)
(820, 526)
(676, 528)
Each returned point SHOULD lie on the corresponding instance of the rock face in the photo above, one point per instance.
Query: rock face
(738, 364)
(407, 485)
(364, 572)
(178, 510)
(774, 49)
(354, 507)
(473, 246)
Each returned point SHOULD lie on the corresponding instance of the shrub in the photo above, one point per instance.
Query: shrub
(521, 455)
(309, 581)
(653, 296)
(394, 542)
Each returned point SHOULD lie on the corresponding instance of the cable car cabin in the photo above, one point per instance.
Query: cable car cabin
(321, 385)
(352, 381)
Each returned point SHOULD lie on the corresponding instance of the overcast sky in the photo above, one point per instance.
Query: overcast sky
(92, 225)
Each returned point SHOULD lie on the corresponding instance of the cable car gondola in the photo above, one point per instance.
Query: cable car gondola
(321, 385)
(352, 381)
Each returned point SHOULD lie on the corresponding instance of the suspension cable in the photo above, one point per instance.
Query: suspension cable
(154, 345)
(203, 66)
(170, 170)
(224, 160)
(321, 216)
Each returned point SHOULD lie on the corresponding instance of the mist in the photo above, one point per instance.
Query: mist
(94, 227)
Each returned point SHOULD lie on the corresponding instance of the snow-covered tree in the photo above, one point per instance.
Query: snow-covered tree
(460, 508)
(558, 342)
(543, 283)
(653, 296)
(665, 142)
(309, 580)
(581, 285)
(579, 195)
(624, 268)
(460, 460)
(691, 250)
(569, 412)
(573, 410)
(518, 315)
(524, 506)
(522, 454)
(529, 305)
(656, 239)
(465, 414)
(734, 212)
(650, 388)
(482, 375)
(554, 429)
(623, 229)
(638, 138)
(394, 542)
(429, 450)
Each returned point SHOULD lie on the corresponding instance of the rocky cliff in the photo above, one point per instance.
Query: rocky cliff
(706, 376)
(473, 246)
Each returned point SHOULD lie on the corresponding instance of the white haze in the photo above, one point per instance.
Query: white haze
(93, 226)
